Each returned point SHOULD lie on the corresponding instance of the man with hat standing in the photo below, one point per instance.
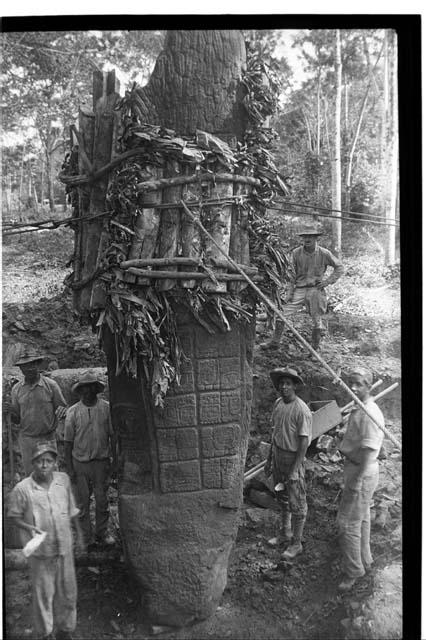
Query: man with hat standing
(308, 264)
(291, 435)
(36, 402)
(43, 505)
(89, 442)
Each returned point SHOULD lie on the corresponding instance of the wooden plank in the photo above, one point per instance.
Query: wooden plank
(325, 419)
(170, 222)
(96, 234)
(190, 239)
(218, 223)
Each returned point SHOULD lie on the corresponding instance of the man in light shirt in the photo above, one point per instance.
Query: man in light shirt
(36, 403)
(306, 288)
(89, 443)
(360, 446)
(292, 433)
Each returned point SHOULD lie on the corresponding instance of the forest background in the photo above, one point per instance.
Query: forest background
(336, 121)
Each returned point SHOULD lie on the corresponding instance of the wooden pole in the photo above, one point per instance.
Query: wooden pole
(301, 339)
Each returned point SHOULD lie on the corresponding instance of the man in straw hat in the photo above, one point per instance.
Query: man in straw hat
(36, 402)
(89, 442)
(360, 446)
(292, 433)
(307, 284)
(43, 503)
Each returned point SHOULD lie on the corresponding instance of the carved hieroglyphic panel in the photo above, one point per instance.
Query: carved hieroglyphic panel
(199, 432)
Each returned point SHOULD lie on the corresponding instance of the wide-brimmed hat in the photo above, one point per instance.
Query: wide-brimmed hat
(44, 447)
(310, 230)
(282, 372)
(29, 355)
(88, 378)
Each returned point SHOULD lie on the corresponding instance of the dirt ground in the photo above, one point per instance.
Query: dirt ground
(265, 598)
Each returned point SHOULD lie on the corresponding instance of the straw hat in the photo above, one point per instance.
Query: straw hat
(29, 355)
(277, 374)
(88, 378)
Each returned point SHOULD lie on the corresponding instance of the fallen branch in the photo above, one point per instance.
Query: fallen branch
(14, 559)
(163, 183)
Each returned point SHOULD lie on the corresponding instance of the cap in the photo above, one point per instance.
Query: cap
(44, 447)
(277, 374)
(310, 230)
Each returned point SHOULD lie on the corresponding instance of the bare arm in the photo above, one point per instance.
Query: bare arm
(68, 446)
(18, 522)
(336, 273)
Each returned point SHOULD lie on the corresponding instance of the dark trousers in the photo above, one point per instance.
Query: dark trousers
(92, 477)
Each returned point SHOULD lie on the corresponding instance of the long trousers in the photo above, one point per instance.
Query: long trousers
(54, 593)
(315, 302)
(93, 477)
(353, 519)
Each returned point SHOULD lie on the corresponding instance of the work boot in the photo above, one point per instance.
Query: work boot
(292, 551)
(316, 338)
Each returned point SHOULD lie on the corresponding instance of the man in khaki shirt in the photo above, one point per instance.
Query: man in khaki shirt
(36, 403)
(308, 264)
(89, 442)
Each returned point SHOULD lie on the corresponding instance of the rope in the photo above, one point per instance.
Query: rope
(328, 215)
(288, 324)
(314, 206)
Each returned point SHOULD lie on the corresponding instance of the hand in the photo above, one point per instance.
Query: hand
(321, 286)
(35, 531)
(61, 412)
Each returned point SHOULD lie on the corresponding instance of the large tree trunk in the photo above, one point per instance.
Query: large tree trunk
(180, 484)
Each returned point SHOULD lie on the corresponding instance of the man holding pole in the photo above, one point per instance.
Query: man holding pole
(307, 284)
(291, 436)
(360, 446)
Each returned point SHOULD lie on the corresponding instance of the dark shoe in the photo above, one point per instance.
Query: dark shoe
(316, 338)
(346, 584)
(105, 541)
(61, 634)
(271, 344)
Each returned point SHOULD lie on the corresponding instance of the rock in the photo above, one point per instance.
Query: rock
(264, 517)
(384, 608)
(263, 499)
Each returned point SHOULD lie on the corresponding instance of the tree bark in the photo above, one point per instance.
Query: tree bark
(336, 164)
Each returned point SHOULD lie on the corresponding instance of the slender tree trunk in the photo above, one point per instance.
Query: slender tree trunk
(21, 184)
(336, 163)
(393, 150)
(383, 165)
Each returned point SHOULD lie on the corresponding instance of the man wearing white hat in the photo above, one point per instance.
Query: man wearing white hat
(307, 284)
(292, 433)
(89, 442)
(36, 402)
